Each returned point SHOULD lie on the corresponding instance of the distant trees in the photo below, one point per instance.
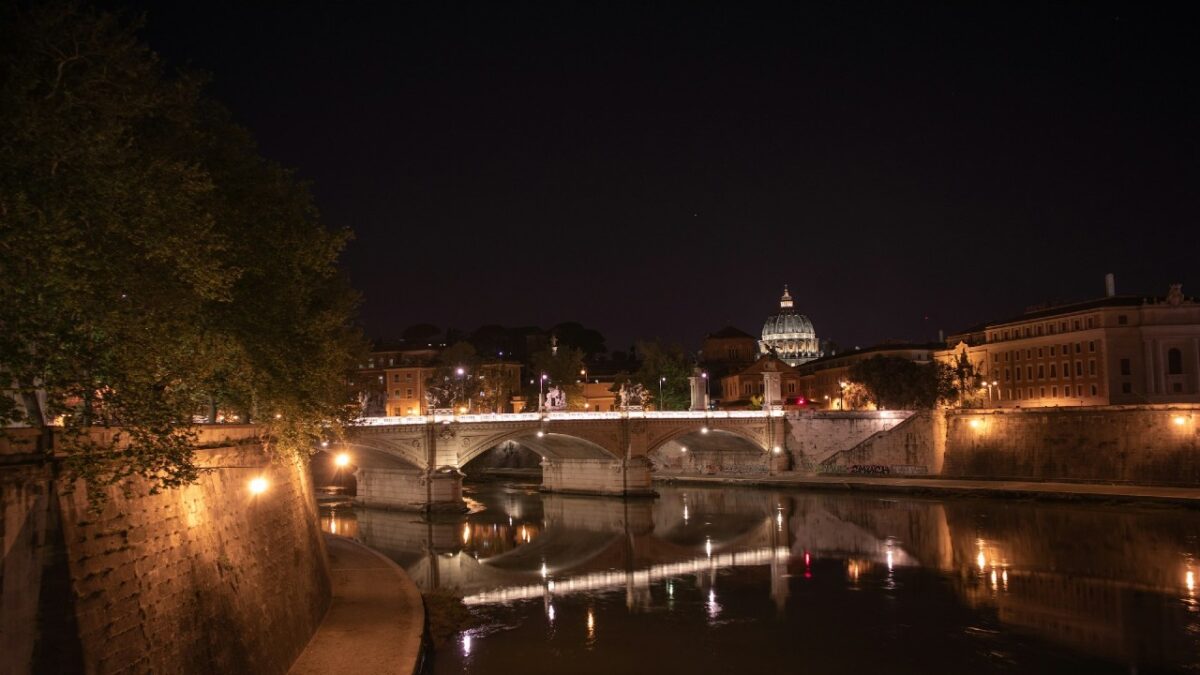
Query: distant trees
(152, 264)
(668, 365)
(896, 383)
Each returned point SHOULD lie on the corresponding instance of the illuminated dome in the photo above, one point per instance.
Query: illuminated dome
(789, 334)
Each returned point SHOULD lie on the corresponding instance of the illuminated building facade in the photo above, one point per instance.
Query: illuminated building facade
(1107, 351)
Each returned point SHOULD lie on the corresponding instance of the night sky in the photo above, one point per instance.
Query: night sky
(662, 170)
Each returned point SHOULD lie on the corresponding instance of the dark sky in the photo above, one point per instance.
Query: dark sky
(662, 170)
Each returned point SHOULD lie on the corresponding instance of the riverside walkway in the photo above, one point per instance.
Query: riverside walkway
(376, 620)
(1184, 496)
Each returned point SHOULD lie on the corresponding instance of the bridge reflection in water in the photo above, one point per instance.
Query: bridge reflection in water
(1047, 586)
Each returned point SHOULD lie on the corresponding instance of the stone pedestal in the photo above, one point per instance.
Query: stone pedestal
(772, 397)
(699, 390)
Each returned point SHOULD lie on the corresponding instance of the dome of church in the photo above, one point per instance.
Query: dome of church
(789, 334)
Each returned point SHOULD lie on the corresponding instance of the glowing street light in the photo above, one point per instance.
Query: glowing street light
(342, 460)
(258, 485)
(660, 395)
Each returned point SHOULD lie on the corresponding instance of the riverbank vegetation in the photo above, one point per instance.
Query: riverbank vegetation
(155, 270)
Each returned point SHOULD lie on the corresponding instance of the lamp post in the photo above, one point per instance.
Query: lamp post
(541, 396)
(707, 396)
(660, 395)
(842, 401)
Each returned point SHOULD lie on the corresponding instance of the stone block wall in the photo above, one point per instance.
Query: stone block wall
(205, 578)
(1138, 444)
(597, 476)
(916, 446)
(815, 436)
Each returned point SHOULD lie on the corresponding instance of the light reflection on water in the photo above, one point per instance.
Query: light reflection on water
(714, 580)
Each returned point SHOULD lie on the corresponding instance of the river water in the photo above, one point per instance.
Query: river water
(730, 580)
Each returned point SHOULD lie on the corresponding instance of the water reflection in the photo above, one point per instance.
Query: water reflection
(932, 586)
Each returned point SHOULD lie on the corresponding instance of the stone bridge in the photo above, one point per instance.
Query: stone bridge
(415, 462)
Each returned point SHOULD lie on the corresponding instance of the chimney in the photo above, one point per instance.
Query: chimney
(1110, 285)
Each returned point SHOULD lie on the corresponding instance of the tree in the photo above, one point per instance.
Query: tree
(421, 333)
(563, 369)
(897, 383)
(671, 365)
(452, 383)
(574, 334)
(152, 265)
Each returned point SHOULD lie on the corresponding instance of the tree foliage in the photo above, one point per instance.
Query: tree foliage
(152, 264)
(670, 364)
(901, 384)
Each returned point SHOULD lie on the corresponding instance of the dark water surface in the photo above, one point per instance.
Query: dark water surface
(728, 580)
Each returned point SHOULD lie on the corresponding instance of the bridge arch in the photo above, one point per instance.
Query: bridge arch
(378, 450)
(549, 444)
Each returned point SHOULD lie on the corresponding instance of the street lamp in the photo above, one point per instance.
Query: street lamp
(707, 398)
(541, 397)
(842, 401)
(660, 395)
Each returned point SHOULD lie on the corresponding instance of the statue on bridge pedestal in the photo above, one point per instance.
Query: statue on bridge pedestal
(555, 400)
(631, 397)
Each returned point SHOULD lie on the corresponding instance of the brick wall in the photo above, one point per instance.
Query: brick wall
(206, 578)
(815, 436)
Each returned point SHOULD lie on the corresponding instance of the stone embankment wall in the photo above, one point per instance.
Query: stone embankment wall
(1138, 444)
(206, 578)
(815, 436)
(916, 446)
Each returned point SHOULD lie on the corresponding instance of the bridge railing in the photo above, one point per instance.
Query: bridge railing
(566, 416)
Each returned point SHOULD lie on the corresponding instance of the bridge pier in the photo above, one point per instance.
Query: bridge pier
(619, 477)
(410, 488)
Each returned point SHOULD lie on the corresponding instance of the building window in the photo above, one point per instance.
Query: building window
(1029, 353)
(995, 358)
(1018, 374)
(408, 393)
(1005, 335)
(791, 387)
(1122, 320)
(1041, 372)
(1066, 371)
(1125, 366)
(396, 394)
(1007, 375)
(1079, 369)
(408, 377)
(1029, 372)
(1026, 331)
(1029, 392)
(1053, 370)
(1050, 329)
(1093, 390)
(1091, 345)
(1042, 392)
(395, 377)
(1079, 390)
(1054, 391)
(1041, 353)
(1039, 329)
(1091, 366)
(1177, 387)
(1063, 326)
(1078, 347)
(1053, 349)
(1174, 362)
(1126, 388)
(1075, 324)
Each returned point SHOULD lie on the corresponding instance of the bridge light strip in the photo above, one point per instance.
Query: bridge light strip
(615, 579)
(534, 417)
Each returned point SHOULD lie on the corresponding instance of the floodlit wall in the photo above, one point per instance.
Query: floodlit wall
(1139, 444)
(206, 578)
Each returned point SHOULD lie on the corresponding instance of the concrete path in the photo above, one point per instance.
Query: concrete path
(955, 486)
(376, 621)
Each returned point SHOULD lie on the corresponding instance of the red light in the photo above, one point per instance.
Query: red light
(806, 559)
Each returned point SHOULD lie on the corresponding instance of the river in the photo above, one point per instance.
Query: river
(728, 580)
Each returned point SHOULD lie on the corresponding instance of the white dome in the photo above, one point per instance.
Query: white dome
(789, 334)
